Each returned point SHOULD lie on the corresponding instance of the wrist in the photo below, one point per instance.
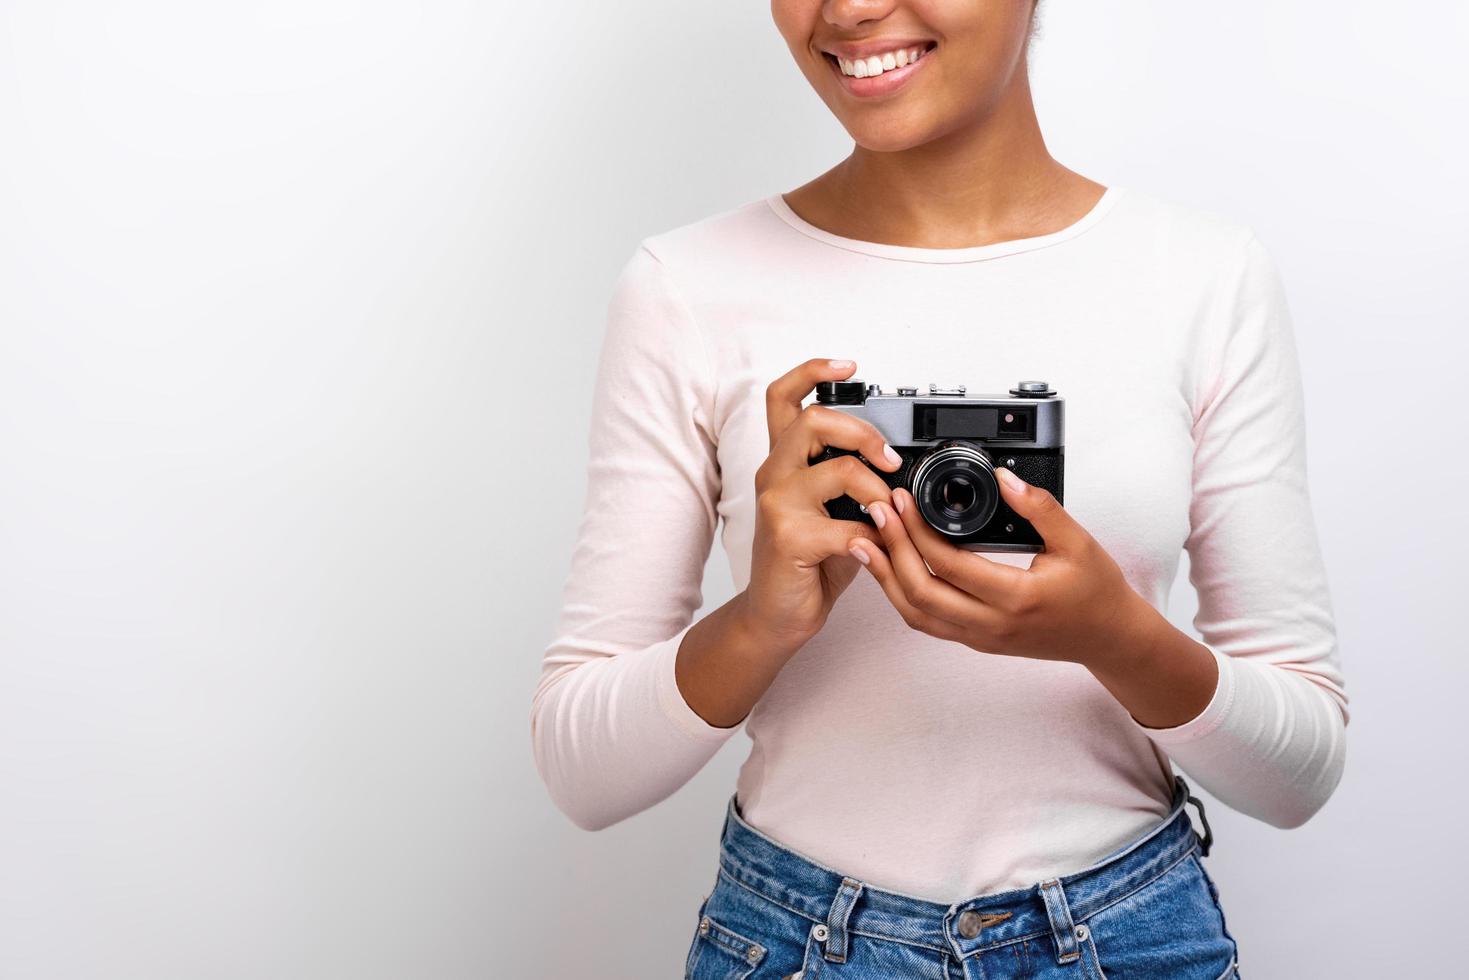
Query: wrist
(1136, 630)
(756, 634)
(1161, 675)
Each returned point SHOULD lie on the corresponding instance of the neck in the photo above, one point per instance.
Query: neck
(986, 180)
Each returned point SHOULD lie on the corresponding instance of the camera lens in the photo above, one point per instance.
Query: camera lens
(955, 488)
(959, 495)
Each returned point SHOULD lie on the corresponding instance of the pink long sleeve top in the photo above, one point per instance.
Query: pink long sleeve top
(913, 763)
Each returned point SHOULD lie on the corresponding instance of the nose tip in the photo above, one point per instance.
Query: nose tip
(851, 14)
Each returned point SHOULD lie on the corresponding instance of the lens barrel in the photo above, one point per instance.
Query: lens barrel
(955, 488)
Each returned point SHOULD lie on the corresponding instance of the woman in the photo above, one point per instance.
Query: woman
(961, 762)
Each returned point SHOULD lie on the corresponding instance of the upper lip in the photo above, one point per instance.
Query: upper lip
(881, 45)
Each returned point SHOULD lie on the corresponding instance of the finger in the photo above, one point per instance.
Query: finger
(877, 563)
(818, 427)
(784, 395)
(1058, 529)
(924, 590)
(810, 540)
(831, 478)
(834, 538)
(979, 576)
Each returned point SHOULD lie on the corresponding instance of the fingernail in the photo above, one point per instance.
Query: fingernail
(839, 365)
(875, 509)
(898, 502)
(859, 554)
(891, 454)
(1012, 481)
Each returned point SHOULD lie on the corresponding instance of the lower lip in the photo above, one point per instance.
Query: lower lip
(884, 84)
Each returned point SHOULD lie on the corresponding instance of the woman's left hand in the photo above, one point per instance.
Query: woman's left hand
(1073, 603)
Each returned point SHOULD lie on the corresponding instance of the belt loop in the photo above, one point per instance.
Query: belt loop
(1181, 790)
(1208, 840)
(836, 920)
(1063, 930)
(1183, 795)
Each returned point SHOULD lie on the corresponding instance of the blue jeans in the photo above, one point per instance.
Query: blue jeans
(1148, 911)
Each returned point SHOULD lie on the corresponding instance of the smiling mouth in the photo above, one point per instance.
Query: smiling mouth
(876, 65)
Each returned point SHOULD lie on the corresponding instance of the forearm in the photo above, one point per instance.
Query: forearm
(1160, 674)
(725, 663)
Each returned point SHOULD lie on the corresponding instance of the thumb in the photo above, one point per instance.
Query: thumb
(1058, 529)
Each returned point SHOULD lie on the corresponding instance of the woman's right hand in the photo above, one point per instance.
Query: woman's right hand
(800, 563)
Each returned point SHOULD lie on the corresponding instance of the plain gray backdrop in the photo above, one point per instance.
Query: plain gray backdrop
(299, 307)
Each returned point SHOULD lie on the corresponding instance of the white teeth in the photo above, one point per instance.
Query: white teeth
(877, 64)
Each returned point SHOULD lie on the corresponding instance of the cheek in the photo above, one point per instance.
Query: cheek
(985, 41)
(795, 20)
(982, 65)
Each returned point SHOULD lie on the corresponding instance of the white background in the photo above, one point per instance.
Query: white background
(299, 306)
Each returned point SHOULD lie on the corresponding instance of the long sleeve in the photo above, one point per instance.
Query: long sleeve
(1271, 743)
(612, 734)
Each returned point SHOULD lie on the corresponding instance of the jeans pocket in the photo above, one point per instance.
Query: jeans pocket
(1168, 929)
(812, 962)
(720, 953)
(1090, 962)
(742, 935)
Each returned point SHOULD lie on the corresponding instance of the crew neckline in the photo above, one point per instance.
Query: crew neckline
(971, 253)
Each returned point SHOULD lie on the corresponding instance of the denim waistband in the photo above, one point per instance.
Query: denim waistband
(840, 905)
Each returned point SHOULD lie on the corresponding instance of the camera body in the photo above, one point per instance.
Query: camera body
(951, 443)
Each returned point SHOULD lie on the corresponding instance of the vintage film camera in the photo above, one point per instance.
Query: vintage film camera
(951, 443)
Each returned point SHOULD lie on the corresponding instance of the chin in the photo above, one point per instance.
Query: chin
(888, 137)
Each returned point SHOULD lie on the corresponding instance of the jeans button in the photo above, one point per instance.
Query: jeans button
(969, 924)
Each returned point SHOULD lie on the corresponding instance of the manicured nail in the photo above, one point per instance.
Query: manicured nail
(1012, 481)
(839, 365)
(891, 454)
(859, 554)
(875, 509)
(898, 502)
